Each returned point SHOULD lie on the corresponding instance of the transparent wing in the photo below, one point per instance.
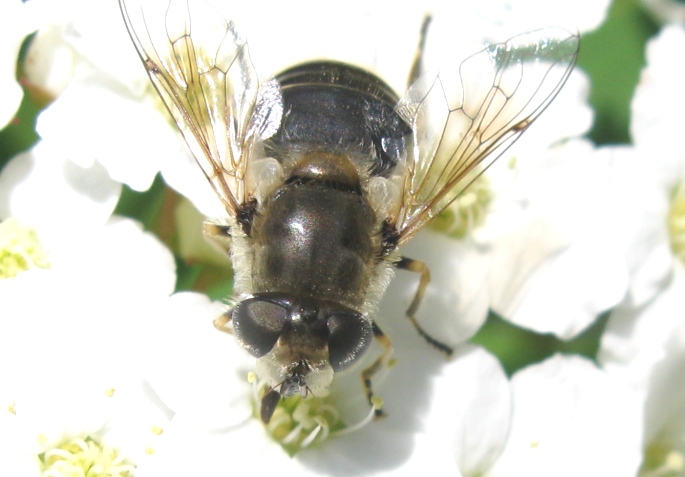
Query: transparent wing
(201, 69)
(463, 120)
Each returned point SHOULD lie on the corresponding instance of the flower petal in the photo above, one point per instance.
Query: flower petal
(570, 418)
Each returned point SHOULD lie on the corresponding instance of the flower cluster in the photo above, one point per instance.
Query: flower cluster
(556, 234)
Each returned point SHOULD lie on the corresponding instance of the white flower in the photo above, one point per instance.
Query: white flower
(199, 375)
(469, 410)
(643, 342)
(69, 207)
(531, 233)
(67, 425)
(537, 243)
(666, 11)
(15, 24)
(102, 274)
(215, 426)
(72, 307)
(89, 301)
(560, 417)
(464, 417)
(645, 348)
(571, 418)
(657, 167)
(102, 110)
(532, 217)
(105, 110)
(197, 371)
(75, 39)
(563, 255)
(48, 192)
(496, 20)
(650, 223)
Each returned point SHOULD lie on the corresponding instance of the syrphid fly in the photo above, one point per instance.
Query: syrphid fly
(325, 172)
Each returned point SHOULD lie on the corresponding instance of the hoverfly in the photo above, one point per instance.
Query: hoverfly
(324, 172)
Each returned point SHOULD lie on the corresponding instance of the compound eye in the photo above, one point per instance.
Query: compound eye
(349, 336)
(258, 323)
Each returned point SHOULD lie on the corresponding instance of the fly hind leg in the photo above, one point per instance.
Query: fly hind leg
(417, 65)
(417, 266)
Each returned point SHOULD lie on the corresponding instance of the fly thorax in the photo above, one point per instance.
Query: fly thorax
(316, 235)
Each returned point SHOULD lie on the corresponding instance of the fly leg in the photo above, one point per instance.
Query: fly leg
(417, 266)
(417, 65)
(223, 322)
(218, 235)
(380, 363)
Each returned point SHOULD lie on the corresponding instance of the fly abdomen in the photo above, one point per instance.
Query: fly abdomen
(335, 107)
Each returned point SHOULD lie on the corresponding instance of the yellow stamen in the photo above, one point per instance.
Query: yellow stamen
(676, 222)
(662, 461)
(79, 457)
(300, 422)
(467, 212)
(20, 249)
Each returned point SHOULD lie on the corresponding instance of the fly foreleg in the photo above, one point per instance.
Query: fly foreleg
(380, 363)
